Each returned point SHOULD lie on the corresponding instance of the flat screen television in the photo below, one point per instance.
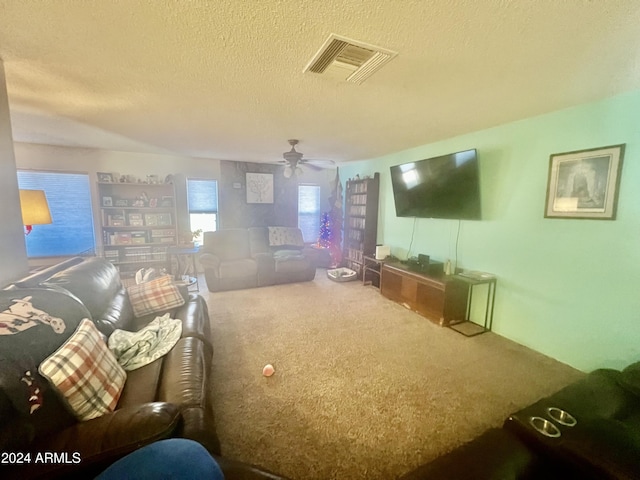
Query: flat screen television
(447, 186)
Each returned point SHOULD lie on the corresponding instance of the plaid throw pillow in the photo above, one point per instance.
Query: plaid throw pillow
(154, 296)
(86, 373)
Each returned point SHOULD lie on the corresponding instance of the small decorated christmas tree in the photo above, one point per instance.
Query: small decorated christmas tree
(330, 234)
(324, 239)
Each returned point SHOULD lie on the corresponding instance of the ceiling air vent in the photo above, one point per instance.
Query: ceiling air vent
(347, 59)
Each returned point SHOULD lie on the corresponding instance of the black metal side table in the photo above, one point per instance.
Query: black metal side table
(373, 266)
(466, 327)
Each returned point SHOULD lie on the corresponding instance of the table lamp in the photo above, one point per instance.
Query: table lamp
(35, 209)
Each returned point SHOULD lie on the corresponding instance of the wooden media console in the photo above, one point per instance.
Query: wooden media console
(440, 298)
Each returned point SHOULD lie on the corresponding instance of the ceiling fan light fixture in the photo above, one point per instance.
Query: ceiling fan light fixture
(293, 161)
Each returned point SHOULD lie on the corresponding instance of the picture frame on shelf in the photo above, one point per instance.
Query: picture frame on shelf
(259, 187)
(107, 201)
(105, 177)
(584, 184)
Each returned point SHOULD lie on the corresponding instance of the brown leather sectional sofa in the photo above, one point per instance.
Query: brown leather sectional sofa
(170, 397)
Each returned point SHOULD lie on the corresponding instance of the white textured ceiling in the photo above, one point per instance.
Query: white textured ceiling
(223, 79)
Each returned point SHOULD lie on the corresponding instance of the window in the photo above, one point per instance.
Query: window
(69, 199)
(309, 211)
(202, 196)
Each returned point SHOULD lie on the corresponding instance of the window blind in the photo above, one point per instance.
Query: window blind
(69, 199)
(309, 211)
(202, 196)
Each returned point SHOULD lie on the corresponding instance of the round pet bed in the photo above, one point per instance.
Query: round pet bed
(341, 274)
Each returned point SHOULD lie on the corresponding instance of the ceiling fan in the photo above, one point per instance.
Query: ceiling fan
(293, 160)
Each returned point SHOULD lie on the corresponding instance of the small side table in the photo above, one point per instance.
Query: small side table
(473, 280)
(186, 262)
(373, 266)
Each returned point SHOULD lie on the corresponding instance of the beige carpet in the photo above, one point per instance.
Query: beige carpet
(363, 389)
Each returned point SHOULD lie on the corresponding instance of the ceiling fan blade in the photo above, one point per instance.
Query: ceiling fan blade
(320, 163)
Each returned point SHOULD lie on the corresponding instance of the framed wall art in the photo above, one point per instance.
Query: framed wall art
(584, 183)
(104, 177)
(259, 188)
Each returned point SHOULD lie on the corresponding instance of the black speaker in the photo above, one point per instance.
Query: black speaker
(423, 260)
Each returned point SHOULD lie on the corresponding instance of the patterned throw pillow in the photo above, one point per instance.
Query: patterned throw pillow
(285, 237)
(154, 296)
(85, 373)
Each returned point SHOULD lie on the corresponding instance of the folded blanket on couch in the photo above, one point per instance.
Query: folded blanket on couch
(137, 349)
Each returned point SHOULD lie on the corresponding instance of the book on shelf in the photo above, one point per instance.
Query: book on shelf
(163, 240)
(123, 238)
(112, 255)
(116, 220)
(138, 254)
(164, 219)
(139, 237)
(135, 220)
(356, 222)
(159, 253)
(151, 219)
(359, 187)
(163, 232)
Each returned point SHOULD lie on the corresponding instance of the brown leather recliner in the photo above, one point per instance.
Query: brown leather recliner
(589, 430)
(239, 258)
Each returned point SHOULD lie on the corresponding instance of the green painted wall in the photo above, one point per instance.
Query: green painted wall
(567, 288)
